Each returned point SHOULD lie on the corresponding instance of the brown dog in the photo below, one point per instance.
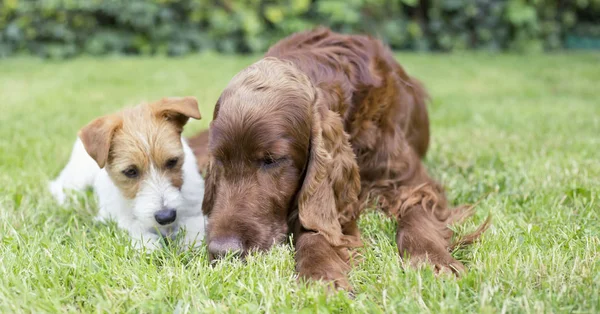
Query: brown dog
(305, 138)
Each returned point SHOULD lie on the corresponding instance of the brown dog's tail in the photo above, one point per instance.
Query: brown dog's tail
(199, 144)
(459, 215)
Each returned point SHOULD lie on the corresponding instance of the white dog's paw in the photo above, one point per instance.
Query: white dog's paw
(191, 241)
(101, 219)
(57, 190)
(194, 230)
(147, 242)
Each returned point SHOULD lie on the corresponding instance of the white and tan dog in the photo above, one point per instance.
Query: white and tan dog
(142, 171)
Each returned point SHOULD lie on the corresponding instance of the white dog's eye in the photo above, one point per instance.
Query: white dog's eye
(171, 163)
(131, 172)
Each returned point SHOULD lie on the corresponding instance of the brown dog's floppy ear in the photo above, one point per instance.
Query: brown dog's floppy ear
(178, 109)
(210, 189)
(330, 189)
(97, 136)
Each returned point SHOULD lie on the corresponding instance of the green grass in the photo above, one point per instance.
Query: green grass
(521, 134)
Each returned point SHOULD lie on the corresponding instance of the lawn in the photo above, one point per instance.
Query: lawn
(519, 134)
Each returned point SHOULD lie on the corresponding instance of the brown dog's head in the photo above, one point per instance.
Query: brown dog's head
(276, 151)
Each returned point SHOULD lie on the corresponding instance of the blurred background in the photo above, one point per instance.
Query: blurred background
(63, 29)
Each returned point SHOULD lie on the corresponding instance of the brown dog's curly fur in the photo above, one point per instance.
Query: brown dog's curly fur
(304, 139)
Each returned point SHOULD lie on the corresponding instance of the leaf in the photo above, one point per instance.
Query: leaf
(274, 14)
(300, 6)
(410, 3)
(520, 13)
(251, 23)
(415, 30)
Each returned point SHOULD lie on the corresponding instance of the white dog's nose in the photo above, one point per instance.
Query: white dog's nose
(165, 216)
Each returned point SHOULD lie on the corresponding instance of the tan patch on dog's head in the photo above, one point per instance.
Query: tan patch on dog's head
(141, 142)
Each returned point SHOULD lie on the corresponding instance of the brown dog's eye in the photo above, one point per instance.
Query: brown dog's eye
(270, 162)
(171, 163)
(131, 172)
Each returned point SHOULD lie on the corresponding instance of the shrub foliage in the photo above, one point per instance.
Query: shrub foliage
(64, 28)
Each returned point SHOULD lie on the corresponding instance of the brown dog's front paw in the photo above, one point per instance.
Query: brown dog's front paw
(425, 250)
(316, 259)
(336, 279)
(441, 262)
(453, 267)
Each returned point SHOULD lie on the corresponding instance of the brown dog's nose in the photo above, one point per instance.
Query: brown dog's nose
(219, 247)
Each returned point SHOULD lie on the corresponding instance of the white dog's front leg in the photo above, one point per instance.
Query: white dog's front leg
(194, 231)
(141, 239)
(78, 174)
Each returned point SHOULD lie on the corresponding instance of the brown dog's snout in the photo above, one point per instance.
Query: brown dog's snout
(221, 246)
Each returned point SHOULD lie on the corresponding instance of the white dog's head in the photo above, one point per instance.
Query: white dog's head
(142, 152)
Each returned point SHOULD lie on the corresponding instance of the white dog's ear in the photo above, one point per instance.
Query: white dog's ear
(178, 109)
(97, 136)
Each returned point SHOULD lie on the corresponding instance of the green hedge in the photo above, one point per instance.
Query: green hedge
(64, 28)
